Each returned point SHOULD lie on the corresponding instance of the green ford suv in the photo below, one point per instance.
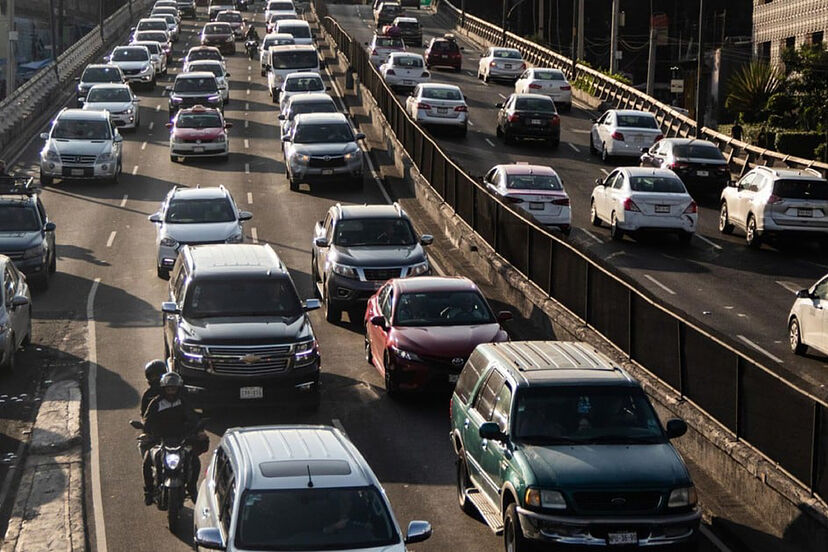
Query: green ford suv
(555, 444)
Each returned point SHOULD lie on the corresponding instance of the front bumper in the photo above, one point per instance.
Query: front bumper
(30, 267)
(443, 60)
(349, 293)
(98, 171)
(426, 374)
(349, 172)
(141, 78)
(651, 531)
(210, 149)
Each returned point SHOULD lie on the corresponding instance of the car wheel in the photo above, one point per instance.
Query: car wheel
(458, 69)
(294, 186)
(45, 180)
(173, 158)
(498, 132)
(593, 215)
(795, 336)
(392, 388)
(616, 233)
(752, 237)
(368, 356)
(685, 237)
(592, 149)
(605, 157)
(554, 143)
(725, 227)
(27, 339)
(332, 314)
(53, 263)
(513, 539)
(463, 484)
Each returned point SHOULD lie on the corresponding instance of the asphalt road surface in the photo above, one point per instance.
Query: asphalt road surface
(104, 236)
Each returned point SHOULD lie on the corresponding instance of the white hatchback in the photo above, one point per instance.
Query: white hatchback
(404, 70)
(535, 189)
(549, 82)
(623, 132)
(437, 104)
(633, 198)
(808, 319)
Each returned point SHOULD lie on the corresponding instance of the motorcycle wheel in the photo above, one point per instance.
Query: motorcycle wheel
(175, 500)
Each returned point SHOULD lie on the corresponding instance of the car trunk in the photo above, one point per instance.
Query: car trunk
(442, 108)
(661, 204)
(639, 137)
(799, 203)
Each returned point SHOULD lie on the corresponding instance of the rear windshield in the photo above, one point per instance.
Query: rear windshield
(533, 182)
(408, 61)
(234, 17)
(214, 68)
(246, 297)
(152, 25)
(294, 60)
(656, 184)
(445, 46)
(153, 47)
(217, 29)
(801, 189)
(109, 95)
(311, 107)
(197, 120)
(298, 31)
(701, 151)
(637, 121)
(280, 6)
(549, 75)
(130, 54)
(101, 74)
(196, 85)
(389, 42)
(17, 217)
(442, 94)
(154, 36)
(506, 54)
(304, 84)
(410, 25)
(203, 54)
(535, 104)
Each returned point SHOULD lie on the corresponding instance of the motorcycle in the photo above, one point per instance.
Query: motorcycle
(252, 47)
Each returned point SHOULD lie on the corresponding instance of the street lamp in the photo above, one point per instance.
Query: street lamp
(506, 15)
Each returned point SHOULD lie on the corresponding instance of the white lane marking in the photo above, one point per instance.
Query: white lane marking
(152, 124)
(470, 123)
(250, 198)
(134, 170)
(574, 147)
(591, 235)
(249, 67)
(760, 349)
(501, 95)
(605, 172)
(659, 284)
(709, 535)
(158, 108)
(246, 124)
(246, 106)
(249, 78)
(246, 144)
(708, 242)
(338, 425)
(790, 286)
(123, 201)
(247, 168)
(248, 91)
(143, 146)
(111, 238)
(92, 393)
(490, 142)
(471, 73)
(254, 235)
(578, 131)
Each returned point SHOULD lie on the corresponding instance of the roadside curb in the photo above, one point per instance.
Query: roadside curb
(57, 427)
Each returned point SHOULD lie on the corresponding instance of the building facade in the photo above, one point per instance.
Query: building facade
(780, 24)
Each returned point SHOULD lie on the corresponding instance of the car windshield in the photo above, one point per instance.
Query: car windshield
(199, 211)
(657, 184)
(154, 36)
(153, 47)
(101, 74)
(321, 518)
(170, 19)
(388, 42)
(407, 61)
(198, 120)
(506, 54)
(533, 182)
(540, 103)
(18, 218)
(73, 129)
(304, 84)
(217, 29)
(323, 133)
(441, 93)
(130, 54)
(549, 415)
(214, 68)
(280, 6)
(196, 55)
(231, 17)
(373, 232)
(294, 59)
(700, 151)
(196, 85)
(298, 31)
(636, 121)
(109, 95)
(442, 308)
(801, 189)
(408, 25)
(549, 75)
(271, 296)
(311, 107)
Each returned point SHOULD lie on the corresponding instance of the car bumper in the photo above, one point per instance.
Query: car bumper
(439, 61)
(426, 375)
(499, 73)
(412, 40)
(545, 132)
(347, 173)
(715, 182)
(140, 79)
(636, 221)
(348, 293)
(624, 149)
(200, 150)
(462, 120)
(123, 120)
(397, 81)
(30, 267)
(561, 220)
(87, 172)
(652, 531)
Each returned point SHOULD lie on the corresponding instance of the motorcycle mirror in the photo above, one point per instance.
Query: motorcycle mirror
(137, 424)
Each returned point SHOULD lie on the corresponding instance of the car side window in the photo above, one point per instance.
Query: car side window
(615, 182)
(745, 183)
(821, 290)
(502, 408)
(490, 176)
(386, 306)
(759, 183)
(179, 284)
(469, 376)
(41, 211)
(484, 404)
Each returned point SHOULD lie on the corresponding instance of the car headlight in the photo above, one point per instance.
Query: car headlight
(235, 238)
(682, 497)
(129, 111)
(344, 271)
(176, 99)
(146, 68)
(305, 351)
(406, 355)
(230, 38)
(167, 241)
(193, 353)
(172, 459)
(221, 138)
(353, 155)
(33, 252)
(52, 155)
(104, 157)
(417, 269)
(301, 158)
(213, 98)
(539, 498)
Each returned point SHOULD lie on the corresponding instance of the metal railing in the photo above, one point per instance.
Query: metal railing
(740, 155)
(786, 424)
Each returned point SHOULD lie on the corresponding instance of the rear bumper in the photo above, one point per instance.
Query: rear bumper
(623, 149)
(541, 131)
(460, 121)
(635, 221)
(438, 61)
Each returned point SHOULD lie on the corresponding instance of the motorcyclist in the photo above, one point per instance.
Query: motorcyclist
(251, 34)
(169, 416)
(153, 370)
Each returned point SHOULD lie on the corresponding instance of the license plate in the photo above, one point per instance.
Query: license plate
(444, 56)
(804, 212)
(442, 110)
(536, 121)
(408, 82)
(622, 538)
(536, 205)
(507, 65)
(77, 172)
(327, 172)
(452, 378)
(198, 150)
(662, 208)
(702, 173)
(251, 392)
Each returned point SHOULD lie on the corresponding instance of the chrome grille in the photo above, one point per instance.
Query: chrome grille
(249, 360)
(78, 159)
(617, 501)
(131, 71)
(198, 141)
(327, 161)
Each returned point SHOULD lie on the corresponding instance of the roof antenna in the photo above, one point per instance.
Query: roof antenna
(310, 481)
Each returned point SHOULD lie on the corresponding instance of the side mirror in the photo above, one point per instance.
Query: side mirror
(733, 184)
(426, 239)
(169, 307)
(504, 316)
(366, 43)
(676, 428)
(49, 227)
(168, 89)
(136, 100)
(418, 531)
(19, 301)
(281, 117)
(379, 322)
(491, 431)
(321, 242)
(599, 182)
(107, 58)
(44, 135)
(312, 304)
(209, 538)
(359, 136)
(137, 424)
(499, 104)
(327, 89)
(228, 125)
(118, 138)
(155, 217)
(77, 79)
(803, 294)
(168, 125)
(645, 150)
(245, 215)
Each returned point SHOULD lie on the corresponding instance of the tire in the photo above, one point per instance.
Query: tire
(498, 132)
(369, 358)
(53, 263)
(554, 143)
(332, 314)
(513, 539)
(173, 159)
(616, 233)
(392, 388)
(593, 215)
(8, 366)
(592, 149)
(685, 237)
(45, 180)
(273, 97)
(605, 157)
(463, 483)
(752, 237)
(795, 337)
(725, 227)
(294, 186)
(174, 501)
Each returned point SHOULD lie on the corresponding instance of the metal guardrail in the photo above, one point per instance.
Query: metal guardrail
(783, 422)
(740, 155)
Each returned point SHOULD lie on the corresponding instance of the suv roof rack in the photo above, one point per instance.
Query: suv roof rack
(813, 171)
(18, 185)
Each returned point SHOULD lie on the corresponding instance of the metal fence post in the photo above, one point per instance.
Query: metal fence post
(814, 449)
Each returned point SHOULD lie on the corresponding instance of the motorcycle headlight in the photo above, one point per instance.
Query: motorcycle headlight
(172, 459)
(104, 157)
(538, 498)
(406, 355)
(236, 238)
(167, 241)
(52, 155)
(682, 497)
(417, 269)
(33, 252)
(353, 155)
(301, 158)
(345, 271)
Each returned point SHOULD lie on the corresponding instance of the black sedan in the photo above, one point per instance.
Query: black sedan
(698, 163)
(219, 35)
(529, 116)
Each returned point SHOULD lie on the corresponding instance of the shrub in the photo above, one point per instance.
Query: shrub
(799, 143)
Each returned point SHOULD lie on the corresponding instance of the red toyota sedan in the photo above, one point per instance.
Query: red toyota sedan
(420, 331)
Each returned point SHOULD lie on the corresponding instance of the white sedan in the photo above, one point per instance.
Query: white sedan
(536, 189)
(300, 82)
(808, 319)
(443, 105)
(500, 63)
(623, 132)
(549, 82)
(635, 198)
(404, 70)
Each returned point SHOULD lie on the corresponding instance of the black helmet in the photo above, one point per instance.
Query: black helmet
(154, 369)
(172, 379)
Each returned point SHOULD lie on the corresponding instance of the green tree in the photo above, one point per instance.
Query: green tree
(807, 84)
(750, 89)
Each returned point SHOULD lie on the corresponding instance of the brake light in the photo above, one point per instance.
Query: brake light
(675, 166)
(522, 66)
(561, 201)
(566, 87)
(373, 51)
(492, 64)
(514, 117)
(659, 137)
(774, 199)
(555, 121)
(510, 199)
(617, 136)
(390, 72)
(534, 86)
(691, 209)
(422, 105)
(629, 205)
(461, 108)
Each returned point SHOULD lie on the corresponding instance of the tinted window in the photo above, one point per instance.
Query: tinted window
(506, 54)
(442, 93)
(371, 232)
(701, 151)
(298, 31)
(469, 376)
(109, 95)
(408, 25)
(232, 17)
(203, 54)
(535, 104)
(153, 36)
(153, 47)
(488, 394)
(247, 297)
(549, 75)
(101, 74)
(533, 182)
(657, 184)
(636, 121)
(500, 413)
(314, 519)
(217, 29)
(387, 42)
(70, 129)
(297, 108)
(214, 68)
(408, 61)
(445, 46)
(152, 25)
(442, 308)
(304, 84)
(196, 85)
(293, 59)
(198, 211)
(323, 133)
(16, 217)
(130, 54)
(801, 189)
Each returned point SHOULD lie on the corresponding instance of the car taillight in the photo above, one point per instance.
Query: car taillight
(373, 51)
(617, 136)
(514, 117)
(422, 105)
(566, 87)
(774, 199)
(390, 72)
(659, 137)
(691, 209)
(492, 64)
(522, 66)
(629, 205)
(462, 108)
(555, 120)
(680, 166)
(534, 86)
(561, 201)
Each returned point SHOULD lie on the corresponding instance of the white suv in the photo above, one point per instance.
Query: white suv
(768, 201)
(296, 487)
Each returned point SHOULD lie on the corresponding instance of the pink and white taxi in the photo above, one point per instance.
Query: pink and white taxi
(199, 132)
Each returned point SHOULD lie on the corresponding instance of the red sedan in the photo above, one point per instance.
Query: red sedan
(420, 331)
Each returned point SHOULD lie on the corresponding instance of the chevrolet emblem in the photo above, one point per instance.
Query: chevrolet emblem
(250, 358)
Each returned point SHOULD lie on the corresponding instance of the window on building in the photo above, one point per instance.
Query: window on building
(790, 42)
(765, 50)
(816, 38)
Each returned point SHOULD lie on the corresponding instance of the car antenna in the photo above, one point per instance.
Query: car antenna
(310, 481)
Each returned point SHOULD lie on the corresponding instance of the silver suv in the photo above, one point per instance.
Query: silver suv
(299, 487)
(768, 201)
(15, 313)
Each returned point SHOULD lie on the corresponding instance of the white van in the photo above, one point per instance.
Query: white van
(299, 28)
(287, 59)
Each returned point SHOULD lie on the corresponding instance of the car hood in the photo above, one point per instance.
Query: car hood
(195, 233)
(80, 147)
(196, 94)
(604, 465)
(445, 341)
(247, 330)
(336, 148)
(380, 256)
(126, 65)
(18, 241)
(198, 133)
(112, 107)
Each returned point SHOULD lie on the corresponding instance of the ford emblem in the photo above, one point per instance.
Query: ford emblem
(618, 501)
(458, 361)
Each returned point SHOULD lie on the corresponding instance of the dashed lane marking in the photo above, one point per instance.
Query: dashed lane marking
(246, 124)
(501, 95)
(250, 198)
(659, 284)
(248, 91)
(247, 168)
(111, 239)
(92, 393)
(158, 108)
(246, 144)
(605, 172)
(761, 350)
(143, 146)
(134, 170)
(574, 147)
(254, 235)
(593, 236)
(124, 200)
(152, 124)
(490, 142)
(708, 242)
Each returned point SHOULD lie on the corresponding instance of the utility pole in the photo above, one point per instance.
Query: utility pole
(614, 36)
(503, 22)
(101, 19)
(580, 29)
(59, 42)
(652, 55)
(53, 32)
(462, 13)
(541, 26)
(575, 36)
(699, 66)
(11, 60)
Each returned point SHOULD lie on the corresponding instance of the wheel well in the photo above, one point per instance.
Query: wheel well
(508, 498)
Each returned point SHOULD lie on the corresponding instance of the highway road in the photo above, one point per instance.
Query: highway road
(743, 293)
(106, 274)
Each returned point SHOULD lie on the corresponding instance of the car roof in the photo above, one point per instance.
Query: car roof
(278, 35)
(516, 168)
(279, 457)
(684, 141)
(292, 22)
(439, 85)
(151, 19)
(302, 74)
(81, 114)
(292, 48)
(310, 97)
(109, 85)
(321, 118)
(200, 62)
(210, 192)
(131, 46)
(246, 259)
(196, 48)
(195, 75)
(631, 112)
(555, 363)
(405, 54)
(791, 174)
(102, 66)
(406, 19)
(434, 283)
(370, 211)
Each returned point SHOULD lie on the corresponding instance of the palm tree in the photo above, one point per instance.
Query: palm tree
(750, 88)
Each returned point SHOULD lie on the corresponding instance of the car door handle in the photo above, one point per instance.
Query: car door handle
(484, 443)
(466, 424)
(205, 512)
